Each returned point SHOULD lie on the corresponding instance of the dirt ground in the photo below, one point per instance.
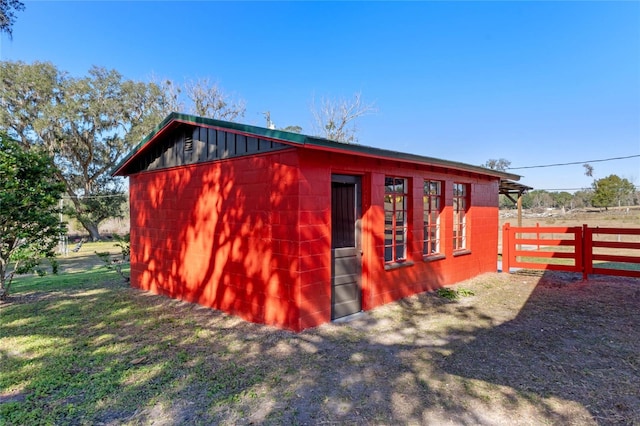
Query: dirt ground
(546, 348)
(524, 349)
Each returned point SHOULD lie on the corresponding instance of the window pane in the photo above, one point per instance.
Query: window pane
(395, 217)
(388, 254)
(400, 185)
(434, 217)
(388, 182)
(388, 237)
(432, 204)
(388, 217)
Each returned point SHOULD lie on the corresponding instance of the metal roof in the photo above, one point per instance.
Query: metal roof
(304, 141)
(510, 187)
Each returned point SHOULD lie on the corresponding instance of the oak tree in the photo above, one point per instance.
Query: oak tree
(8, 9)
(87, 124)
(611, 190)
(499, 164)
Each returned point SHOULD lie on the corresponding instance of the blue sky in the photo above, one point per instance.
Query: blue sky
(533, 82)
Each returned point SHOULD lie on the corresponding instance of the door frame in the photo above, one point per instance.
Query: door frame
(356, 180)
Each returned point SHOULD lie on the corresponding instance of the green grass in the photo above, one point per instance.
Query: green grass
(87, 279)
(56, 345)
(617, 265)
(453, 294)
(570, 262)
(84, 348)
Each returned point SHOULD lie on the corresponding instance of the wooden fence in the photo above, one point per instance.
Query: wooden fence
(580, 249)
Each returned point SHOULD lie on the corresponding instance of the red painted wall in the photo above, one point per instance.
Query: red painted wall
(252, 235)
(381, 286)
(221, 234)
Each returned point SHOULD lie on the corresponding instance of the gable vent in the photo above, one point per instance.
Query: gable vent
(188, 144)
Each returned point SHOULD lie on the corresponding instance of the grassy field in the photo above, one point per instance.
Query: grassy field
(606, 219)
(84, 348)
(614, 218)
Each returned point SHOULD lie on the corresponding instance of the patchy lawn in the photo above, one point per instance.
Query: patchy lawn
(511, 349)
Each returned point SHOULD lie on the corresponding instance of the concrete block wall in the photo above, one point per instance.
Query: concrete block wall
(222, 234)
(252, 235)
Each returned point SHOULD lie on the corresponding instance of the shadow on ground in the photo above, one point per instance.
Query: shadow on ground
(522, 350)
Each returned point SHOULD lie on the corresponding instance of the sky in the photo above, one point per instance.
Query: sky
(535, 83)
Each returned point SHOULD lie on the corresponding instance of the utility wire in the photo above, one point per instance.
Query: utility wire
(570, 189)
(84, 197)
(572, 163)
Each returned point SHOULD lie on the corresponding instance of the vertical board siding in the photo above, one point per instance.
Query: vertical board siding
(208, 145)
(211, 145)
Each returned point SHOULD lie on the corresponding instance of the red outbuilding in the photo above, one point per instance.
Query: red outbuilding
(295, 231)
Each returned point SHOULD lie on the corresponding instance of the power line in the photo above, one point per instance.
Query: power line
(575, 162)
(562, 189)
(637, 188)
(84, 197)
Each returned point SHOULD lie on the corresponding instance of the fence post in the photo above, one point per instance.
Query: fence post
(538, 234)
(587, 251)
(506, 248)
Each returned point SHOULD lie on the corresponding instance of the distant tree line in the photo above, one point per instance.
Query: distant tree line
(608, 192)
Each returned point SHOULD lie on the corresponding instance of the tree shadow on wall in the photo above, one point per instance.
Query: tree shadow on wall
(228, 242)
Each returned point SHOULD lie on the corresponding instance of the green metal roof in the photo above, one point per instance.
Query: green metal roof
(304, 141)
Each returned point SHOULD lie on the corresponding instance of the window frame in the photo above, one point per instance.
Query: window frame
(460, 220)
(394, 227)
(431, 230)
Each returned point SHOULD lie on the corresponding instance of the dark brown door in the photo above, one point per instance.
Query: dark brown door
(346, 250)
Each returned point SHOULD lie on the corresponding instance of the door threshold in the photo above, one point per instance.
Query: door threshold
(348, 318)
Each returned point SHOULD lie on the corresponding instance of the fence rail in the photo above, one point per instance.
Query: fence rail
(580, 249)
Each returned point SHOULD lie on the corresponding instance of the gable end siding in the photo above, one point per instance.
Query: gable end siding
(187, 144)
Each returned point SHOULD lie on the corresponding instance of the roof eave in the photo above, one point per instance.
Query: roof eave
(119, 168)
(300, 140)
(175, 117)
(379, 153)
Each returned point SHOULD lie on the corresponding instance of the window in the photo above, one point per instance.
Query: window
(395, 219)
(432, 200)
(460, 206)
